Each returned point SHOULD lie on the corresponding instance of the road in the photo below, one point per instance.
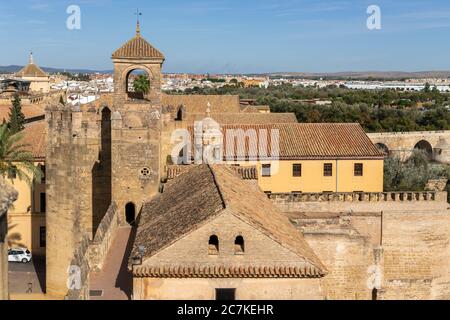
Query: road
(23, 274)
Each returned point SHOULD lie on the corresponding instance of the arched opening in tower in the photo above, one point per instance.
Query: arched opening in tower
(130, 213)
(180, 112)
(137, 84)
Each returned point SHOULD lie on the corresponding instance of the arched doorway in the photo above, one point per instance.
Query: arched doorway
(137, 84)
(383, 148)
(180, 113)
(130, 213)
(426, 147)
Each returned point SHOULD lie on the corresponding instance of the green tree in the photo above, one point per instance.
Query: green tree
(413, 174)
(16, 116)
(15, 159)
(141, 84)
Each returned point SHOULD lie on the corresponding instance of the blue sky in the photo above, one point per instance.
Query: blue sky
(233, 36)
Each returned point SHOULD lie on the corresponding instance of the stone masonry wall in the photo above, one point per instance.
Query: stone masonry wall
(103, 239)
(402, 250)
(72, 150)
(7, 196)
(136, 131)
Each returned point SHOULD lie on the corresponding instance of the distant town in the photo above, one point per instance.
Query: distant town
(85, 88)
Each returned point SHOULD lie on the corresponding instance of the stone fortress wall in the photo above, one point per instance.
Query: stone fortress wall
(396, 243)
(402, 144)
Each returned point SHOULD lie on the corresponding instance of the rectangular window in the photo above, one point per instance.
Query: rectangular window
(43, 203)
(328, 170)
(225, 294)
(297, 170)
(43, 174)
(359, 169)
(266, 170)
(42, 237)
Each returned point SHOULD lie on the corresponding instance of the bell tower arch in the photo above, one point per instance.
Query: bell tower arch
(136, 123)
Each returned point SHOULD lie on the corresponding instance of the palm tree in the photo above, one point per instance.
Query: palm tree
(15, 159)
(141, 84)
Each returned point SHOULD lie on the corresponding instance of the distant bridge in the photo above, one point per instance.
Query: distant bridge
(402, 144)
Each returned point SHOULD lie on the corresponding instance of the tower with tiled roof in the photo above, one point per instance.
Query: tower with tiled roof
(136, 126)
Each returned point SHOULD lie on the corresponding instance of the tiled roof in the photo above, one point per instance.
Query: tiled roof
(246, 118)
(201, 194)
(246, 173)
(299, 270)
(29, 111)
(253, 206)
(31, 70)
(186, 202)
(304, 141)
(198, 103)
(138, 48)
(35, 137)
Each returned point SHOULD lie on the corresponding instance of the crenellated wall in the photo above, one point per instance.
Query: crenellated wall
(72, 150)
(397, 243)
(360, 202)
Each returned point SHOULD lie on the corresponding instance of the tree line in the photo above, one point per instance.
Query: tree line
(376, 110)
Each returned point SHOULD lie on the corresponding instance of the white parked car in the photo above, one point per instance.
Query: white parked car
(19, 255)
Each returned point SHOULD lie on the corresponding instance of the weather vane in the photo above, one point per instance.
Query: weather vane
(138, 13)
(138, 28)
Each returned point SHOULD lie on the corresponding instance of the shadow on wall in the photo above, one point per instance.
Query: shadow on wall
(101, 173)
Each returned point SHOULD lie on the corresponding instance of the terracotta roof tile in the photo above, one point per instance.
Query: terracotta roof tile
(202, 193)
(29, 111)
(35, 136)
(292, 270)
(198, 103)
(31, 70)
(246, 118)
(304, 141)
(138, 48)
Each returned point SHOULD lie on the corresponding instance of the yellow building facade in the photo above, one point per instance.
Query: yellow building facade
(314, 176)
(299, 157)
(26, 218)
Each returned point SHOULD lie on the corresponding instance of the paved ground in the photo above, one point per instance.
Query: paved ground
(26, 277)
(115, 280)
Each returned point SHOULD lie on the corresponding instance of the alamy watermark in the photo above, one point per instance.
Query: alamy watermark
(73, 22)
(209, 143)
(73, 278)
(374, 19)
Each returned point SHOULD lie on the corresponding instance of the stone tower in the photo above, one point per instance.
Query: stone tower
(72, 151)
(136, 127)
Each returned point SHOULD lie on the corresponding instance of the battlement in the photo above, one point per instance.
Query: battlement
(361, 202)
(361, 197)
(73, 120)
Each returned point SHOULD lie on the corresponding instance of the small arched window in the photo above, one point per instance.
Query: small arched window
(130, 213)
(179, 114)
(239, 245)
(213, 245)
